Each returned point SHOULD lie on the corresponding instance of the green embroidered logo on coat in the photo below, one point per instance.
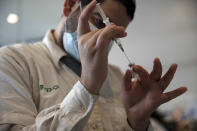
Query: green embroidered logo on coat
(55, 87)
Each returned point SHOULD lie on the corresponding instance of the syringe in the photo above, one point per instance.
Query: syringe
(118, 42)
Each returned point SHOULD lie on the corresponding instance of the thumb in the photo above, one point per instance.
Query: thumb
(127, 80)
(110, 32)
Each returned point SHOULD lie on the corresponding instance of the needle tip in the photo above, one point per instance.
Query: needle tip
(131, 65)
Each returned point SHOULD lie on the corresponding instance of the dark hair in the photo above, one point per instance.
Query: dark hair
(129, 4)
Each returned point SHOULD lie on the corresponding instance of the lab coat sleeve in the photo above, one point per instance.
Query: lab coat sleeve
(129, 128)
(18, 111)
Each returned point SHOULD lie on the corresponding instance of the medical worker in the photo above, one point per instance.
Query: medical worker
(64, 82)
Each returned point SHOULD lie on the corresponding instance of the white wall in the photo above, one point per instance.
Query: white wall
(35, 18)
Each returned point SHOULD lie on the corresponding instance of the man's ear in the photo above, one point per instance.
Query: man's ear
(68, 5)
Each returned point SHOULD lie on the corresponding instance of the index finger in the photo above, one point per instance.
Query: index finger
(143, 74)
(83, 26)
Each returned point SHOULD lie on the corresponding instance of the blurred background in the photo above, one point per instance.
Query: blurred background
(162, 28)
(166, 29)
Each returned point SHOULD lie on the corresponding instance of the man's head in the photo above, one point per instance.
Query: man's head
(120, 12)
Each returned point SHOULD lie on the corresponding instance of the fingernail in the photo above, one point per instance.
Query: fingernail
(125, 33)
(94, 1)
(156, 59)
(128, 73)
(175, 65)
(185, 89)
(134, 68)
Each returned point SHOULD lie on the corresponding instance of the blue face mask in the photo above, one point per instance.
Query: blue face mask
(70, 43)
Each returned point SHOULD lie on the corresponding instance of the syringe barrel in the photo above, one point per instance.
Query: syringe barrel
(106, 22)
(118, 42)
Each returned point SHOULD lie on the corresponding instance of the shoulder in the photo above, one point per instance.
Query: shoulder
(22, 50)
(22, 56)
(24, 53)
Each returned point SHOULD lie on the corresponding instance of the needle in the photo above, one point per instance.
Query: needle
(131, 64)
(118, 42)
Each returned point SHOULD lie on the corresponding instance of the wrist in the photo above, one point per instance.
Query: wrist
(90, 87)
(139, 125)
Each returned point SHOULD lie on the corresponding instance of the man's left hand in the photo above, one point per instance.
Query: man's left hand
(144, 95)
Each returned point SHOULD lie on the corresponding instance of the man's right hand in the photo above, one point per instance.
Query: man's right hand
(93, 50)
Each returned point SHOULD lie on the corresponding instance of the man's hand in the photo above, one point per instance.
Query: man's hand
(93, 49)
(144, 95)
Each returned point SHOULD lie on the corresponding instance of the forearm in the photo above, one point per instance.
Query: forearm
(72, 113)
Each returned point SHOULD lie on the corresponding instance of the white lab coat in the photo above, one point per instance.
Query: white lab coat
(39, 93)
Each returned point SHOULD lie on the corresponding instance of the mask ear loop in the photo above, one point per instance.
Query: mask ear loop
(80, 5)
(73, 17)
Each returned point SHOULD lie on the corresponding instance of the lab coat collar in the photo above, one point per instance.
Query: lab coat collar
(55, 51)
